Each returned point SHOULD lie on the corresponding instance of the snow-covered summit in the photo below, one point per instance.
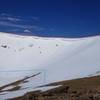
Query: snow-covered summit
(55, 58)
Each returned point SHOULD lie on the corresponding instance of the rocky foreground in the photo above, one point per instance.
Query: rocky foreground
(78, 89)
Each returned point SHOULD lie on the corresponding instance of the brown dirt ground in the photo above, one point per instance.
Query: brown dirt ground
(78, 89)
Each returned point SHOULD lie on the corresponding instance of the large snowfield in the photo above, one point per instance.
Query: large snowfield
(47, 59)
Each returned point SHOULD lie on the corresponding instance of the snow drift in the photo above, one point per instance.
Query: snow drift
(40, 60)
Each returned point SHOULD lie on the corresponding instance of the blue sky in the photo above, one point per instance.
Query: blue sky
(60, 18)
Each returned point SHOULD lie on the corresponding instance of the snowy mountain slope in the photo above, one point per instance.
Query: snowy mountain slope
(55, 58)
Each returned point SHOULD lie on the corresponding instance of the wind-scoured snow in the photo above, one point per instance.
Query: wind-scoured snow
(56, 59)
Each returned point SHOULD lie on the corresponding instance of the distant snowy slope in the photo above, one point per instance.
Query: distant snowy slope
(56, 58)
